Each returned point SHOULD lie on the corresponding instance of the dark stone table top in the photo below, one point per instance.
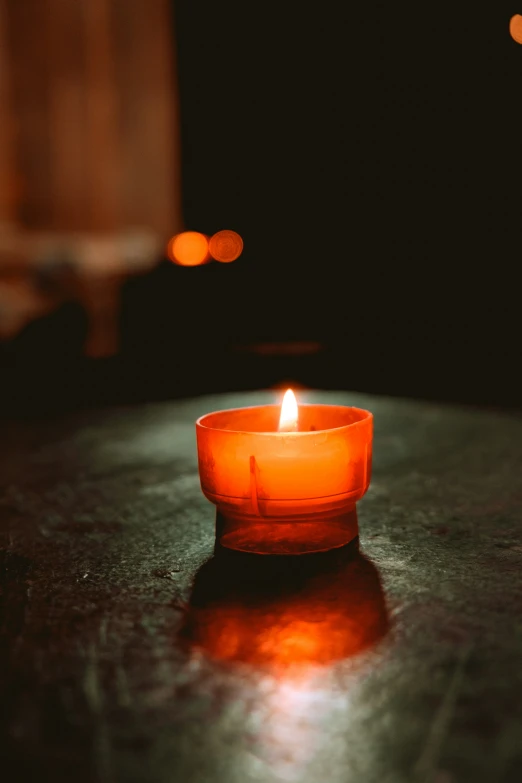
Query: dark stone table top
(129, 651)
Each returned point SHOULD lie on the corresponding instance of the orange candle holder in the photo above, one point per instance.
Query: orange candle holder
(285, 492)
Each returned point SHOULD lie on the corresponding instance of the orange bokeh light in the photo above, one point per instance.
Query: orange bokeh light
(190, 248)
(226, 246)
(515, 28)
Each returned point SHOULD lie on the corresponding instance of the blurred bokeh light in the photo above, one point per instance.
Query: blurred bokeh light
(515, 28)
(226, 246)
(190, 248)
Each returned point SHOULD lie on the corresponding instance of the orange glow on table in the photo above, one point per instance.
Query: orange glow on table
(267, 482)
(190, 248)
(515, 28)
(264, 615)
(225, 246)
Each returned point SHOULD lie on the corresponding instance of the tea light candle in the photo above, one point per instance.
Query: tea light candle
(285, 481)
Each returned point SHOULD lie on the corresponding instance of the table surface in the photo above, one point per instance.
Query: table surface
(130, 651)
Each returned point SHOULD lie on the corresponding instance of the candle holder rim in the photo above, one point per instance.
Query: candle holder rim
(368, 416)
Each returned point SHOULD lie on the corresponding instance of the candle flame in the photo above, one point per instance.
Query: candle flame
(289, 413)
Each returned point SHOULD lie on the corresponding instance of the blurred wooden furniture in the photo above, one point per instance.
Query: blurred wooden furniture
(89, 139)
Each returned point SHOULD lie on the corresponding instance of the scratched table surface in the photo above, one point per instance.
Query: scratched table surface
(131, 650)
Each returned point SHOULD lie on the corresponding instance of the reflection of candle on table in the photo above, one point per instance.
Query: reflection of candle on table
(286, 481)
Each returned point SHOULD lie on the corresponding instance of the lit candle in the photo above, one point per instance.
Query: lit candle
(285, 481)
(289, 417)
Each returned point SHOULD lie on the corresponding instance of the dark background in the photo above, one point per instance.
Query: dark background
(370, 156)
